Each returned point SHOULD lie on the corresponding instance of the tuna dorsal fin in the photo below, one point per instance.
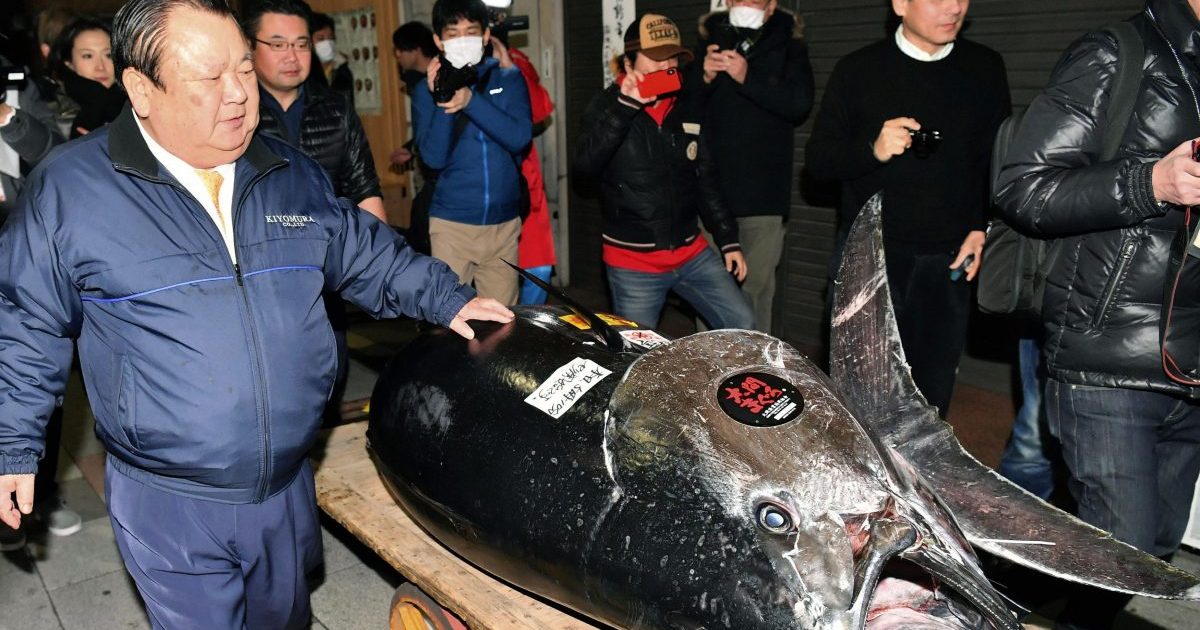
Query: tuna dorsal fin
(609, 335)
(867, 363)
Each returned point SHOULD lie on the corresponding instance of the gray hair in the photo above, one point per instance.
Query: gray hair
(140, 28)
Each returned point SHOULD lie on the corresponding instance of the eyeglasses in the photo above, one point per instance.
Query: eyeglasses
(279, 45)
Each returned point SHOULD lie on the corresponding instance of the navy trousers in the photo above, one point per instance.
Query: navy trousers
(203, 564)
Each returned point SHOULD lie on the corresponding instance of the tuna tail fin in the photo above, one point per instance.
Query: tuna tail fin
(609, 335)
(867, 363)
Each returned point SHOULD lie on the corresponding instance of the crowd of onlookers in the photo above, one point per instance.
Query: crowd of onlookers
(692, 151)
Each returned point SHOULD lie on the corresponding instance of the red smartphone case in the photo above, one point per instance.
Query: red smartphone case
(659, 83)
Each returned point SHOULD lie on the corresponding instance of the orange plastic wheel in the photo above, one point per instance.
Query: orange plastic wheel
(412, 609)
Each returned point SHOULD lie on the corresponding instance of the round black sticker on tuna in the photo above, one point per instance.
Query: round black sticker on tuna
(759, 399)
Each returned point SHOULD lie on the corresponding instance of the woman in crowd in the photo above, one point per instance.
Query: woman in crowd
(83, 59)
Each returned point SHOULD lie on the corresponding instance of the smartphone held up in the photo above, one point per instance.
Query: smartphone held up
(656, 84)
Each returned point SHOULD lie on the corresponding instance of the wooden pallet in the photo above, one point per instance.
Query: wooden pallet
(350, 490)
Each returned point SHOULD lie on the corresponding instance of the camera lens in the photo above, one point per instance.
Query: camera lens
(924, 142)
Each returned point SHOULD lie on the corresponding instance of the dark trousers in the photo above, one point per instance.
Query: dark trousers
(1133, 458)
(931, 313)
(45, 488)
(203, 564)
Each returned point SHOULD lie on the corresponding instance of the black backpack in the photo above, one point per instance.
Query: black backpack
(1013, 277)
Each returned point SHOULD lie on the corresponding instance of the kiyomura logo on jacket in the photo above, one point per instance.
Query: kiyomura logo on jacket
(291, 220)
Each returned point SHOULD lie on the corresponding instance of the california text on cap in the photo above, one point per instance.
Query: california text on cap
(656, 37)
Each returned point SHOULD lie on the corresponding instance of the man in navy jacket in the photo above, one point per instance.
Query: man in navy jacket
(187, 256)
(477, 140)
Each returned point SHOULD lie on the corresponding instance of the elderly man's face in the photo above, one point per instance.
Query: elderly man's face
(207, 110)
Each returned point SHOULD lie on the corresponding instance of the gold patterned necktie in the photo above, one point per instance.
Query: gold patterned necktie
(212, 181)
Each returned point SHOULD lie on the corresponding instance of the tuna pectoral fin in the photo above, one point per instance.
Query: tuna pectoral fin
(867, 363)
(1008, 522)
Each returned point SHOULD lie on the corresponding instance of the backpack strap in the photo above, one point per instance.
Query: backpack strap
(1131, 55)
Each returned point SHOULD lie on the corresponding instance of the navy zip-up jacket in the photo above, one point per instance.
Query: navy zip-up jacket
(479, 177)
(206, 378)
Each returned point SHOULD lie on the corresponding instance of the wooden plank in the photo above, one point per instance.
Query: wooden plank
(351, 491)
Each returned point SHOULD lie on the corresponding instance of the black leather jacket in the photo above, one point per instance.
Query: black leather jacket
(654, 181)
(1104, 295)
(332, 134)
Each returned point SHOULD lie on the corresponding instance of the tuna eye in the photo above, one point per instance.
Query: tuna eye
(774, 519)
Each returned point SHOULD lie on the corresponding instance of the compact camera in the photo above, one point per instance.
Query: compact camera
(11, 78)
(924, 141)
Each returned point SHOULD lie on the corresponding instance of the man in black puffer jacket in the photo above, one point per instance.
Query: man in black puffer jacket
(1130, 435)
(308, 114)
(656, 178)
(320, 122)
(760, 86)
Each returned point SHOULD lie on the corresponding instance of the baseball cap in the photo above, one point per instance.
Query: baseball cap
(655, 36)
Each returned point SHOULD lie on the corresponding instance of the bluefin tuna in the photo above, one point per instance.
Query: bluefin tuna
(720, 480)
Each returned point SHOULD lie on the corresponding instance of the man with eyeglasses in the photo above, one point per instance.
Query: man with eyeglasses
(319, 121)
(316, 119)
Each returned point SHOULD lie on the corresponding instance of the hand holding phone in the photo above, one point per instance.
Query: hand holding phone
(655, 84)
(957, 273)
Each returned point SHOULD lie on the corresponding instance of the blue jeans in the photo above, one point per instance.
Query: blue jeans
(1025, 461)
(532, 293)
(701, 281)
(1133, 458)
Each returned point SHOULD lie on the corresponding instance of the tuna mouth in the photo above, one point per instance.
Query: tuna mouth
(907, 597)
(904, 580)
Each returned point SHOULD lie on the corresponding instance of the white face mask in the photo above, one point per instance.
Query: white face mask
(324, 50)
(747, 17)
(463, 51)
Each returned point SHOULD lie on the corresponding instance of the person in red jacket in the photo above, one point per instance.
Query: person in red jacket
(535, 249)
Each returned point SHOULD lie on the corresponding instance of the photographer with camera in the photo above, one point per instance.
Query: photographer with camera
(914, 116)
(641, 139)
(27, 132)
(760, 87)
(471, 119)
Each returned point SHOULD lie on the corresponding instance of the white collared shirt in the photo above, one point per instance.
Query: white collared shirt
(186, 175)
(911, 49)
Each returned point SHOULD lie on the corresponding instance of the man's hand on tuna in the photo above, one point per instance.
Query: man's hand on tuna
(485, 309)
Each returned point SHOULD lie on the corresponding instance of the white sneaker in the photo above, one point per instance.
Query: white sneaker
(61, 520)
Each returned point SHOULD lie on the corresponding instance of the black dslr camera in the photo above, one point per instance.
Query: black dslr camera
(11, 77)
(924, 142)
(450, 79)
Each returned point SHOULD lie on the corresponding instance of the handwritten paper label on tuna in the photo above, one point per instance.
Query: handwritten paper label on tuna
(566, 386)
(759, 399)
